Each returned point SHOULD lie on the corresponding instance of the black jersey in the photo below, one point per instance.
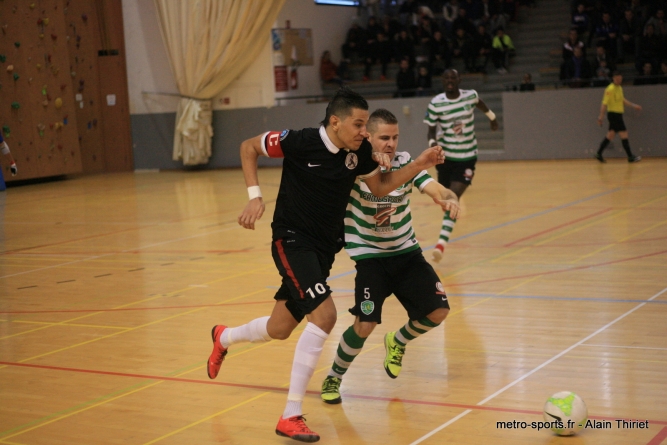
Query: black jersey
(316, 183)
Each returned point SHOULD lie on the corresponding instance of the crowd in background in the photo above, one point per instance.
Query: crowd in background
(606, 33)
(424, 37)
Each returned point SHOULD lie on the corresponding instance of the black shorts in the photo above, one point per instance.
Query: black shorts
(408, 276)
(305, 271)
(616, 122)
(455, 171)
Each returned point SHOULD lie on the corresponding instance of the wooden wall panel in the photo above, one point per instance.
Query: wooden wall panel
(72, 50)
(36, 76)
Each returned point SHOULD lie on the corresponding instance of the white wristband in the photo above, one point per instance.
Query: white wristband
(254, 192)
(432, 142)
(491, 115)
(5, 148)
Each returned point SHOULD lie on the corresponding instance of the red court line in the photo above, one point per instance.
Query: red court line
(657, 440)
(284, 390)
(571, 269)
(558, 227)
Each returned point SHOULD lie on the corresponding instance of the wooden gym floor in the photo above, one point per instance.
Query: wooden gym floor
(109, 286)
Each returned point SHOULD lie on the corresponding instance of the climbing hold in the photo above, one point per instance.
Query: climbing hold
(58, 103)
(15, 105)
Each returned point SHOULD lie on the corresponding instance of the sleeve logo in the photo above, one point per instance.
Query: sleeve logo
(283, 134)
(351, 160)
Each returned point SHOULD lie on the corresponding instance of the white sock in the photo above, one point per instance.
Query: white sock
(254, 331)
(306, 355)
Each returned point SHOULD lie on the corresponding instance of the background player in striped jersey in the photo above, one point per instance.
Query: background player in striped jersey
(380, 238)
(320, 167)
(451, 124)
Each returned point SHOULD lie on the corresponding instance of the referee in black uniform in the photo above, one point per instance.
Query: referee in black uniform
(319, 169)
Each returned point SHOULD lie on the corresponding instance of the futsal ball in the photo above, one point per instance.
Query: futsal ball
(566, 412)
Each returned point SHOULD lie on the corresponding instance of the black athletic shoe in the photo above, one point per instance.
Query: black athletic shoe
(599, 157)
(635, 159)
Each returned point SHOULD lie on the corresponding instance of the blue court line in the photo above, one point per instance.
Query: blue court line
(527, 297)
(534, 215)
(524, 218)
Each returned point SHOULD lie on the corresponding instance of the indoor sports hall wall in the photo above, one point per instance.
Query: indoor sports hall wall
(559, 124)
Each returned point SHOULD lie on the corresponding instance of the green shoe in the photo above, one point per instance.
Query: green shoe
(394, 358)
(331, 390)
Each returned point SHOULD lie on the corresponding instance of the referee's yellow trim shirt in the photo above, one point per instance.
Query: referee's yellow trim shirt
(613, 98)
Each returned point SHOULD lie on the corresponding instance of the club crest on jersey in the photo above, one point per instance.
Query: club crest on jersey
(367, 307)
(351, 160)
(382, 217)
(440, 290)
(283, 134)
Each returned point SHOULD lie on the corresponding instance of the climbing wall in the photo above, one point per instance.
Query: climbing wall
(52, 94)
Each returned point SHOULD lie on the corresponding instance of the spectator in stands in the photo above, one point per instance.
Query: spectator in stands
(602, 75)
(662, 78)
(423, 36)
(647, 77)
(390, 27)
(580, 20)
(600, 56)
(462, 22)
(406, 83)
(573, 41)
(481, 47)
(440, 55)
(527, 83)
(491, 16)
(329, 72)
(502, 49)
(650, 48)
(630, 30)
(424, 81)
(372, 30)
(379, 50)
(450, 12)
(462, 47)
(473, 10)
(404, 47)
(577, 70)
(354, 44)
(658, 22)
(508, 8)
(606, 34)
(639, 10)
(408, 11)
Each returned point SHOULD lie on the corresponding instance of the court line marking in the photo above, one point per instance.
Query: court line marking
(624, 347)
(534, 370)
(284, 389)
(126, 250)
(658, 438)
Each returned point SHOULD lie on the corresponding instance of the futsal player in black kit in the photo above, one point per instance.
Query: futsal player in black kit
(319, 168)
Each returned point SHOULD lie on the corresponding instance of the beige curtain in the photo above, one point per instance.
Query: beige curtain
(209, 43)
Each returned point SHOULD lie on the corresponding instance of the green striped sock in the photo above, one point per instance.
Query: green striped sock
(413, 329)
(447, 227)
(349, 347)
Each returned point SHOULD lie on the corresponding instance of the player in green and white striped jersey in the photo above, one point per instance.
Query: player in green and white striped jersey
(451, 125)
(380, 238)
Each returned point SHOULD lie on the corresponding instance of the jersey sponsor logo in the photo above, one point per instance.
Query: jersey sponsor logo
(313, 165)
(382, 217)
(284, 134)
(351, 160)
(367, 307)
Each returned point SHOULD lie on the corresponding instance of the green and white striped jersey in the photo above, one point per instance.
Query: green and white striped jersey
(456, 121)
(381, 227)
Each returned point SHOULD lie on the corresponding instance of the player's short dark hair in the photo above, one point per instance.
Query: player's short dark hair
(616, 73)
(380, 116)
(342, 104)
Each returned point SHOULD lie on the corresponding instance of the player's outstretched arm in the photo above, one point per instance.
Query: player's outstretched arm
(384, 183)
(251, 150)
(490, 114)
(431, 136)
(4, 148)
(444, 197)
